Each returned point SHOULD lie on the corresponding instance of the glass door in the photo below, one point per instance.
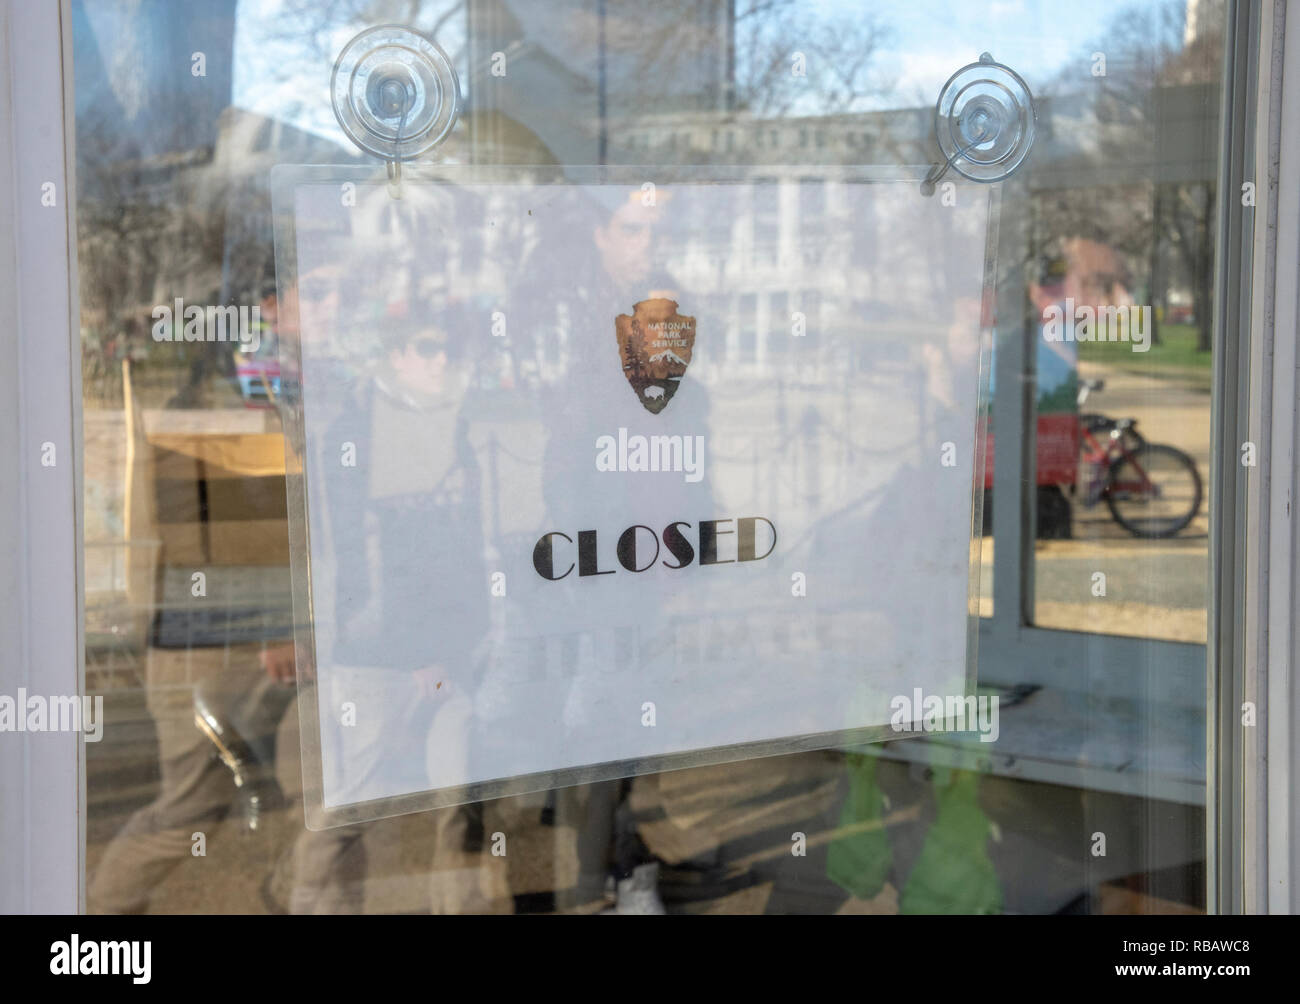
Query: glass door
(1094, 559)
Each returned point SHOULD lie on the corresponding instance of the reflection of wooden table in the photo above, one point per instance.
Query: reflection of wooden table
(206, 490)
(240, 454)
(209, 485)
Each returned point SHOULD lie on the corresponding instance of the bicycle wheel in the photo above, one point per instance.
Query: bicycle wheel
(1153, 491)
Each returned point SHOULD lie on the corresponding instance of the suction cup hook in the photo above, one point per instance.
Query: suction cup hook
(984, 122)
(396, 94)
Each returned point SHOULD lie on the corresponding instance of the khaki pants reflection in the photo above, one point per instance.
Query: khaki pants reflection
(197, 791)
(326, 869)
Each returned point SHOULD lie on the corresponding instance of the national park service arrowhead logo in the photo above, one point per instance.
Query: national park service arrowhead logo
(655, 344)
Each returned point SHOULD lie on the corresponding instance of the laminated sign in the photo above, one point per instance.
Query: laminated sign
(606, 473)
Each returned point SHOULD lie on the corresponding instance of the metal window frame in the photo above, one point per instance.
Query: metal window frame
(1283, 699)
(1254, 864)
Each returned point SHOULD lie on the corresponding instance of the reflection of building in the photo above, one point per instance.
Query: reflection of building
(1120, 150)
(897, 136)
(1204, 17)
(573, 69)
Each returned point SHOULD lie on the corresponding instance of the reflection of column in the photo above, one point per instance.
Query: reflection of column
(748, 330)
(733, 327)
(602, 103)
(494, 490)
(811, 431)
(560, 364)
(760, 331)
(814, 348)
(787, 225)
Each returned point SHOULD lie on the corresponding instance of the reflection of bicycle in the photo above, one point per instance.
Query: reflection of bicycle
(1151, 489)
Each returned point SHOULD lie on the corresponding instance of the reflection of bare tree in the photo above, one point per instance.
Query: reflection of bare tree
(1160, 70)
(191, 223)
(145, 233)
(839, 54)
(315, 24)
(752, 43)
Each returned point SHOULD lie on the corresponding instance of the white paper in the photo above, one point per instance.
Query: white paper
(832, 393)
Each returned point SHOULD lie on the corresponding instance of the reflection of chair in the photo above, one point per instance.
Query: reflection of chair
(203, 488)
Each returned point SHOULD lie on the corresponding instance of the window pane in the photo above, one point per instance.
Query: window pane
(180, 118)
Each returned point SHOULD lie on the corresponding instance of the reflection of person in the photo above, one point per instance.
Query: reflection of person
(581, 288)
(410, 593)
(218, 662)
(405, 515)
(196, 790)
(626, 243)
(225, 659)
(1082, 273)
(409, 515)
(1057, 362)
(1080, 276)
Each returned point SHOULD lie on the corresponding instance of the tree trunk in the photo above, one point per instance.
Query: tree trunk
(1204, 297)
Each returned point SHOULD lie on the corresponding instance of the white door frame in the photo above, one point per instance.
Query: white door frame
(1253, 812)
(1254, 782)
(41, 774)
(1282, 702)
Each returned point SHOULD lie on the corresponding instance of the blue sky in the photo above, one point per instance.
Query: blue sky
(1036, 38)
(931, 39)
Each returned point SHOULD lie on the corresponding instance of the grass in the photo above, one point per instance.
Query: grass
(1175, 355)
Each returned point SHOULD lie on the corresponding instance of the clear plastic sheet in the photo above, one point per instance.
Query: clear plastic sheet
(609, 471)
